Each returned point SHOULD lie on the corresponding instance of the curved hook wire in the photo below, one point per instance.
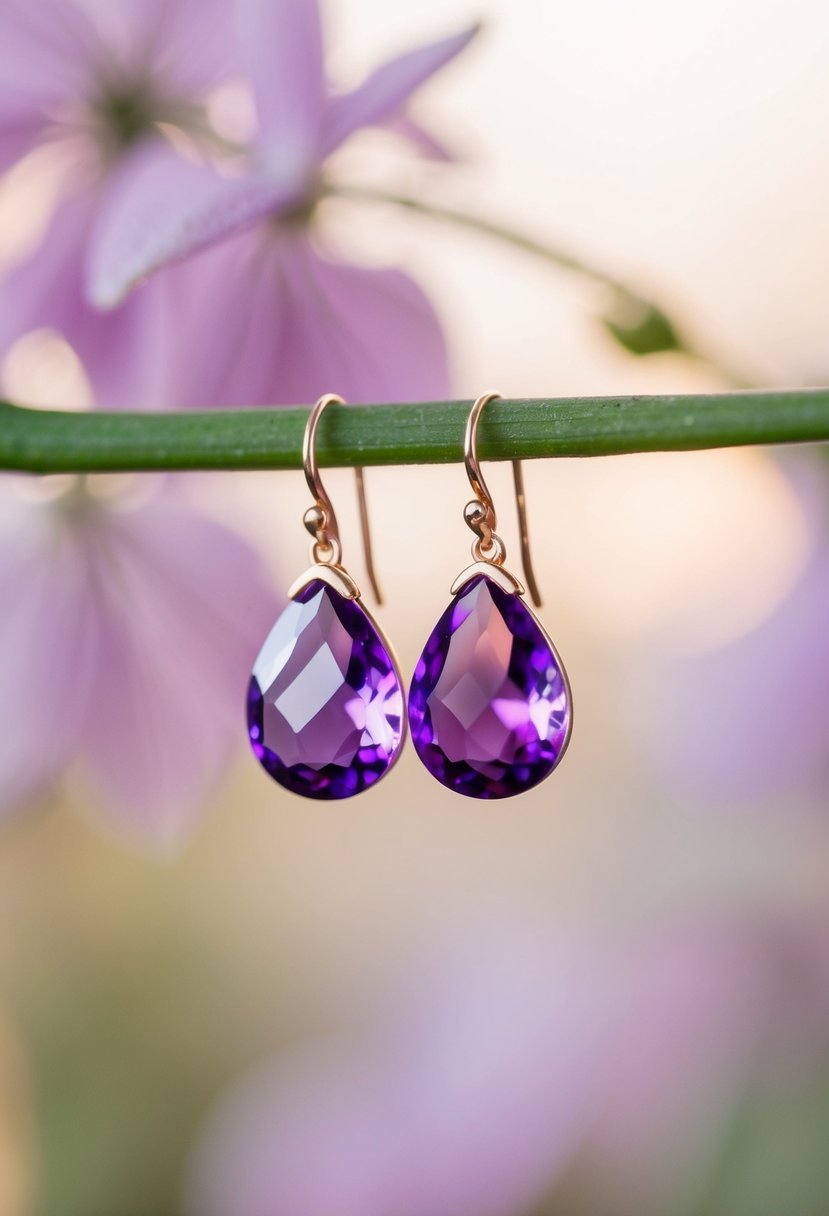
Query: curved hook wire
(480, 513)
(320, 520)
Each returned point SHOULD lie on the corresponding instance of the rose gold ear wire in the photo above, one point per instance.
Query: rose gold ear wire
(480, 512)
(320, 519)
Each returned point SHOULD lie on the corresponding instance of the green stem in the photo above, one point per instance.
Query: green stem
(627, 307)
(51, 441)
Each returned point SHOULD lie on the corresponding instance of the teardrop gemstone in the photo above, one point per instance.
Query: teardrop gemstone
(489, 706)
(325, 706)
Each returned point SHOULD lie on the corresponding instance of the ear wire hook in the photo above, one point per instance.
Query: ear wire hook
(320, 519)
(480, 512)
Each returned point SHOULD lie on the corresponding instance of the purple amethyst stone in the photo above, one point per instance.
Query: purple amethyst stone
(325, 707)
(489, 706)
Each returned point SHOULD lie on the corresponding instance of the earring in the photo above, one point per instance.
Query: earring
(490, 708)
(325, 703)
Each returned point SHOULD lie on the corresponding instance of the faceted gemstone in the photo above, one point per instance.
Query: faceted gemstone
(489, 707)
(325, 707)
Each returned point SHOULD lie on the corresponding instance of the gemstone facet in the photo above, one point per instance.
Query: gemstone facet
(325, 705)
(489, 705)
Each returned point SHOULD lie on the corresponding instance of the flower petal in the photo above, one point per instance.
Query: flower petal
(125, 353)
(470, 1095)
(300, 1136)
(47, 52)
(495, 1108)
(47, 646)
(748, 720)
(281, 45)
(159, 208)
(182, 606)
(422, 139)
(294, 323)
(388, 89)
(747, 726)
(694, 1005)
(21, 128)
(370, 330)
(188, 44)
(231, 310)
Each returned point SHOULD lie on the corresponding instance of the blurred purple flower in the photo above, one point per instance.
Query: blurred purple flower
(271, 318)
(266, 318)
(141, 621)
(693, 1005)
(104, 81)
(468, 1094)
(127, 634)
(516, 1064)
(748, 721)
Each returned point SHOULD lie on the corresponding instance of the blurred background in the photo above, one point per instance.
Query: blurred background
(610, 996)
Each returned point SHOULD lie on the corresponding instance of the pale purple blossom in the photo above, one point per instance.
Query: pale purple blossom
(127, 634)
(271, 316)
(101, 82)
(470, 1089)
(747, 722)
(130, 631)
(128, 628)
(514, 1065)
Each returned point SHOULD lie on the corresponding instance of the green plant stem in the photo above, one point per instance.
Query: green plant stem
(625, 302)
(51, 441)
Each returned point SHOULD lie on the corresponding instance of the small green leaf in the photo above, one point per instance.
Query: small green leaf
(641, 328)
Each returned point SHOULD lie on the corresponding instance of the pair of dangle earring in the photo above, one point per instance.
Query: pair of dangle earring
(490, 707)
